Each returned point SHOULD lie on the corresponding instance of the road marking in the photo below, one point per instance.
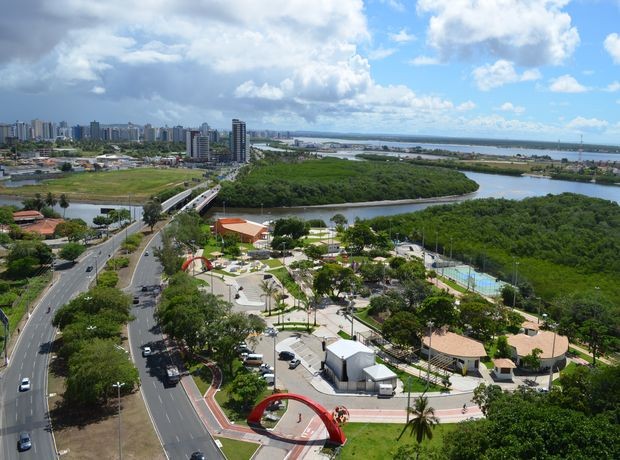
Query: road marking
(180, 415)
(171, 397)
(169, 421)
(178, 440)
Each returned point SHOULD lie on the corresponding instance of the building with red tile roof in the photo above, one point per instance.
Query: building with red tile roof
(248, 231)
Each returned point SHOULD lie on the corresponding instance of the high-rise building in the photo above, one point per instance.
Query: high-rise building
(150, 133)
(178, 134)
(238, 141)
(5, 131)
(22, 131)
(95, 131)
(196, 145)
(214, 136)
(77, 132)
(37, 128)
(204, 129)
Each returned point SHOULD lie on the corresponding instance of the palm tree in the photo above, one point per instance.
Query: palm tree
(423, 421)
(50, 200)
(269, 289)
(64, 204)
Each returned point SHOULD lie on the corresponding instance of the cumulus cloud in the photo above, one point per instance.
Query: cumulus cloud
(529, 33)
(402, 37)
(394, 4)
(380, 53)
(566, 84)
(500, 73)
(613, 86)
(612, 45)
(587, 125)
(465, 106)
(510, 107)
(424, 60)
(98, 90)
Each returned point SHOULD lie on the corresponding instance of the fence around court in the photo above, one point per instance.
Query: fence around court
(468, 277)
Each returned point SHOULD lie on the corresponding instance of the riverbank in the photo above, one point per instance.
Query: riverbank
(438, 199)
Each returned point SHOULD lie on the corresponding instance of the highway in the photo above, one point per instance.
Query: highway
(28, 410)
(178, 426)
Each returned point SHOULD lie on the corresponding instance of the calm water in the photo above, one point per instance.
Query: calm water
(483, 149)
(490, 186)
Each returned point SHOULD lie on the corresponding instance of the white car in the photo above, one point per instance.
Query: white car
(146, 351)
(25, 384)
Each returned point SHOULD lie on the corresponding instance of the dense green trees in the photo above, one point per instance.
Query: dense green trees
(71, 251)
(151, 213)
(329, 180)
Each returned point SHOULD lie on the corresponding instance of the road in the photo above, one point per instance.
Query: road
(180, 429)
(28, 411)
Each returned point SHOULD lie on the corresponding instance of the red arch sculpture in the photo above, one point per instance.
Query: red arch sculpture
(336, 435)
(206, 261)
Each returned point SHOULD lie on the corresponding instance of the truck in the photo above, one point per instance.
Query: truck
(385, 390)
(172, 374)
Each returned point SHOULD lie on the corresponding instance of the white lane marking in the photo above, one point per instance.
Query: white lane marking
(171, 397)
(180, 414)
(178, 440)
(160, 401)
(168, 418)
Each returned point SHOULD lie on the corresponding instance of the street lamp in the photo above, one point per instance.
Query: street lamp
(430, 342)
(514, 294)
(118, 386)
(552, 326)
(274, 334)
(284, 253)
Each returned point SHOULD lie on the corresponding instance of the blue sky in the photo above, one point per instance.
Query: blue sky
(529, 69)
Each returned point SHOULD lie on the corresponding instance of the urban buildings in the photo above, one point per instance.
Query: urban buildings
(238, 141)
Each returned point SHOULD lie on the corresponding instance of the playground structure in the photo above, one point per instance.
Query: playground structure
(205, 262)
(331, 420)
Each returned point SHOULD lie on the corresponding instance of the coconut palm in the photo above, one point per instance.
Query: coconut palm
(64, 204)
(50, 200)
(269, 289)
(423, 420)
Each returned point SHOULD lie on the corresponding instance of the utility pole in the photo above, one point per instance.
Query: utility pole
(554, 327)
(408, 396)
(430, 343)
(514, 294)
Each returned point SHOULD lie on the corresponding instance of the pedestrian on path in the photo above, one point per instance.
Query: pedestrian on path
(299, 420)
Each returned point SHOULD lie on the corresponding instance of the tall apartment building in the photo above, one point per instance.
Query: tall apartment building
(150, 133)
(5, 131)
(178, 134)
(23, 131)
(95, 131)
(238, 141)
(197, 145)
(77, 133)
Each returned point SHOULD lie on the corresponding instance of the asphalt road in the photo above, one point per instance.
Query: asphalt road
(28, 411)
(178, 426)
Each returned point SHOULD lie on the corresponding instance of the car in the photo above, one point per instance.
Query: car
(146, 253)
(145, 288)
(293, 363)
(24, 442)
(270, 331)
(265, 369)
(146, 351)
(24, 384)
(197, 456)
(286, 355)
(136, 300)
(89, 269)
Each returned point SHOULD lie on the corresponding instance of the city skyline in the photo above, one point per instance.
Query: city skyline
(538, 69)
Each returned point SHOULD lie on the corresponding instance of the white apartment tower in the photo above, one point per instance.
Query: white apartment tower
(239, 141)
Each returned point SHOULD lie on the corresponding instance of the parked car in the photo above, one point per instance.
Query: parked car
(146, 351)
(24, 442)
(136, 300)
(286, 355)
(89, 268)
(24, 385)
(293, 363)
(265, 369)
(146, 253)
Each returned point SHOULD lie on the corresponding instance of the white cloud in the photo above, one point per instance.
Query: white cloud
(613, 86)
(612, 45)
(249, 89)
(530, 33)
(380, 53)
(98, 90)
(465, 106)
(394, 4)
(566, 84)
(402, 37)
(509, 107)
(423, 60)
(500, 73)
(587, 125)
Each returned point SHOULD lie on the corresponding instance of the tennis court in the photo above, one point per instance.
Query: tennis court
(468, 277)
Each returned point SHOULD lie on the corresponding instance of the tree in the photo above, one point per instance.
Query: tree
(71, 251)
(50, 200)
(315, 251)
(597, 334)
(246, 387)
(66, 167)
(503, 349)
(169, 254)
(532, 361)
(403, 328)
(440, 309)
(269, 288)
(102, 220)
(293, 227)
(282, 243)
(485, 395)
(339, 219)
(73, 229)
(151, 213)
(63, 202)
(94, 368)
(423, 420)
(333, 279)
(357, 237)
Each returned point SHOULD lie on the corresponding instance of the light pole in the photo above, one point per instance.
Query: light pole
(229, 293)
(224, 205)
(351, 313)
(274, 334)
(514, 294)
(284, 254)
(552, 326)
(436, 242)
(430, 343)
(118, 386)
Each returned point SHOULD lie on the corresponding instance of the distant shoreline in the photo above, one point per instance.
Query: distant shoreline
(437, 199)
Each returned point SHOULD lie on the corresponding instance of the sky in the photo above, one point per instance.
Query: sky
(516, 69)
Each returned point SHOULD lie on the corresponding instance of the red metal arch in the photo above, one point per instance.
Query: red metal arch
(206, 261)
(336, 435)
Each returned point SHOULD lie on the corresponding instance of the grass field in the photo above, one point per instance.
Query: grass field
(377, 441)
(140, 183)
(238, 450)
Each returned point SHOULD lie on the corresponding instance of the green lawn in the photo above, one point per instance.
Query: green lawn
(140, 183)
(288, 282)
(377, 441)
(417, 385)
(581, 355)
(238, 450)
(273, 263)
(452, 284)
(364, 316)
(201, 374)
(569, 369)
